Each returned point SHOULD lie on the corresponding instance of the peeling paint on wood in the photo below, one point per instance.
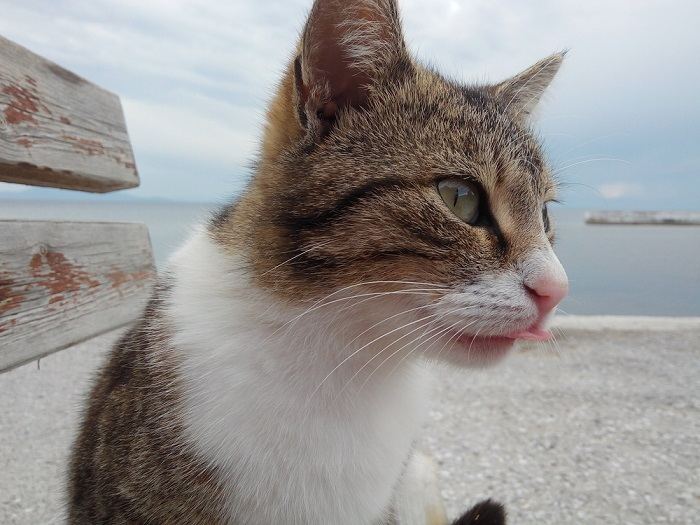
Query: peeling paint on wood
(61, 130)
(62, 283)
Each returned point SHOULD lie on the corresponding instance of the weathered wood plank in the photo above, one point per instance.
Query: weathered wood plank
(667, 218)
(62, 283)
(59, 130)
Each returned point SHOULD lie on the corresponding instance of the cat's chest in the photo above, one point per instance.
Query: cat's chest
(282, 463)
(287, 450)
(340, 477)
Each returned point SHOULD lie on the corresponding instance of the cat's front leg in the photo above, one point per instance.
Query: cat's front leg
(418, 502)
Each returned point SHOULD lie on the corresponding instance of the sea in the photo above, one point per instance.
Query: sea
(613, 270)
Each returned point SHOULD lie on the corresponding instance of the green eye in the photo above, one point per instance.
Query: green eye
(461, 198)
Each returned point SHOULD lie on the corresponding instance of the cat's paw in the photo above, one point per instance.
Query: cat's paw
(485, 513)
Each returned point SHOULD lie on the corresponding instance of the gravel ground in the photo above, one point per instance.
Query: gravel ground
(606, 430)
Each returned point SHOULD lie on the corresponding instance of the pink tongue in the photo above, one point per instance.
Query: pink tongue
(532, 334)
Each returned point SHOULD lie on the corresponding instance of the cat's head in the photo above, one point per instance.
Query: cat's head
(378, 175)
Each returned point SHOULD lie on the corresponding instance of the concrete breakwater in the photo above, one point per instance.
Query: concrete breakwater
(674, 218)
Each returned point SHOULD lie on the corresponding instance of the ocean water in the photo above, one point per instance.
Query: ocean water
(626, 270)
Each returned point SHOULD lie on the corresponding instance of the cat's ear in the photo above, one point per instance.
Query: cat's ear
(347, 46)
(521, 93)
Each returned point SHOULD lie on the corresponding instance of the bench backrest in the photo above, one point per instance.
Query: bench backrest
(62, 282)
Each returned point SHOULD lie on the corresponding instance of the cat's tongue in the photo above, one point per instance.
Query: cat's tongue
(532, 334)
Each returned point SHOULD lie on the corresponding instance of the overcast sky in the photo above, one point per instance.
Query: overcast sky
(621, 122)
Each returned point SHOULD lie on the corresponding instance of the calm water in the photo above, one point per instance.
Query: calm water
(634, 270)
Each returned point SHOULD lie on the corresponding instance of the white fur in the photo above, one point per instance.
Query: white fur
(290, 452)
(542, 263)
(418, 500)
(498, 303)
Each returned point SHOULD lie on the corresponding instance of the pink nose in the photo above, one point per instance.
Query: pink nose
(548, 292)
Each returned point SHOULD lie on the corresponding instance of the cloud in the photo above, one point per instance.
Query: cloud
(187, 131)
(618, 190)
(195, 76)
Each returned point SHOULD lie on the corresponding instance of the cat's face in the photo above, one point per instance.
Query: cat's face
(407, 183)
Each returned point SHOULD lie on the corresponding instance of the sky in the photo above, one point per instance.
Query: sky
(621, 123)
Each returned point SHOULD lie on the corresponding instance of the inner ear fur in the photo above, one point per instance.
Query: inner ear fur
(520, 94)
(347, 46)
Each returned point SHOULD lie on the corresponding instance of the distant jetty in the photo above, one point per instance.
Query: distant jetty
(669, 218)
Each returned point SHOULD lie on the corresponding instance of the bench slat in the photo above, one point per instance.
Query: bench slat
(62, 283)
(59, 130)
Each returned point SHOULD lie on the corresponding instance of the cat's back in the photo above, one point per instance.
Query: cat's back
(128, 463)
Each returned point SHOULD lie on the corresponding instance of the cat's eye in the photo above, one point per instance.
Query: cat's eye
(461, 198)
(545, 218)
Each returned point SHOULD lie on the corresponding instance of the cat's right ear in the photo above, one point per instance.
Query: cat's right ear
(520, 94)
(347, 47)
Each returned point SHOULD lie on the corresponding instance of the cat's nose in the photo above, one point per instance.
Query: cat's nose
(546, 281)
(548, 291)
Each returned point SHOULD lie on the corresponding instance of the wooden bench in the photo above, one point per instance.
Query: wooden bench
(64, 282)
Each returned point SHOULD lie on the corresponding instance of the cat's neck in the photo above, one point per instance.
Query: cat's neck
(265, 386)
(313, 356)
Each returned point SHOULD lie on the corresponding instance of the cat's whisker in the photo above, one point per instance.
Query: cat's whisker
(453, 337)
(592, 140)
(452, 341)
(320, 303)
(369, 297)
(413, 291)
(436, 338)
(569, 166)
(469, 351)
(567, 184)
(601, 155)
(357, 351)
(384, 321)
(314, 247)
(376, 355)
(388, 358)
(363, 333)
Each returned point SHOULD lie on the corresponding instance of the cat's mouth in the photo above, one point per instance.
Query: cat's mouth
(493, 347)
(534, 333)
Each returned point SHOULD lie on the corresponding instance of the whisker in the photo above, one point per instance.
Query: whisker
(469, 352)
(388, 358)
(452, 338)
(320, 303)
(376, 355)
(410, 291)
(436, 338)
(612, 159)
(353, 354)
(591, 141)
(357, 337)
(297, 256)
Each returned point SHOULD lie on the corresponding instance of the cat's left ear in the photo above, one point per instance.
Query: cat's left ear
(520, 94)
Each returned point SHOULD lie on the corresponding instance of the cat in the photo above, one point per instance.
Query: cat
(280, 372)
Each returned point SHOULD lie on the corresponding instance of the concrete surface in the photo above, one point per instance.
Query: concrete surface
(606, 430)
